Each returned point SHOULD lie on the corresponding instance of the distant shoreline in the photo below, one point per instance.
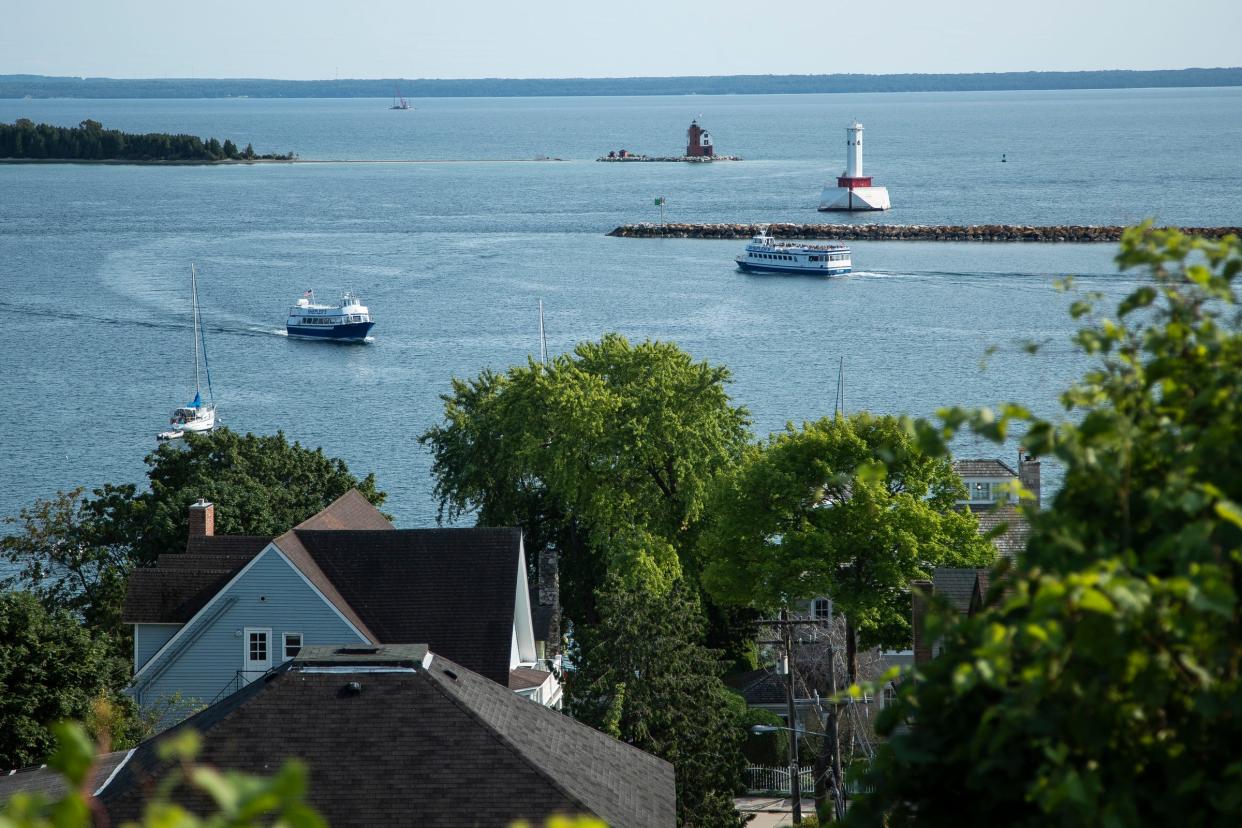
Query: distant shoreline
(1082, 234)
(117, 162)
(45, 86)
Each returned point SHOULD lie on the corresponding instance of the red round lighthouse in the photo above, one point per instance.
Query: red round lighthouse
(698, 142)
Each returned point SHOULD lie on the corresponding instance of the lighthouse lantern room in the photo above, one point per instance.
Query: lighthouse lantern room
(853, 190)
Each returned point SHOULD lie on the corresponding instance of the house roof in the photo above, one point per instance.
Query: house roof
(765, 687)
(524, 678)
(956, 585)
(1012, 540)
(50, 783)
(452, 588)
(983, 468)
(402, 746)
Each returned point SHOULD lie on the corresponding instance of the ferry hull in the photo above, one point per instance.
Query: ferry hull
(754, 267)
(350, 332)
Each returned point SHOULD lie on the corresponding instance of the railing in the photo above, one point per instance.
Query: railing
(760, 779)
(239, 680)
(768, 780)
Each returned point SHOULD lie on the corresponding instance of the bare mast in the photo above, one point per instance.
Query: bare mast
(194, 327)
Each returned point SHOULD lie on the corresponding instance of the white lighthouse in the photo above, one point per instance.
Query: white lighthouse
(853, 190)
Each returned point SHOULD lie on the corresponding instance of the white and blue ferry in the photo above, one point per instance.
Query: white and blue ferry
(349, 321)
(765, 254)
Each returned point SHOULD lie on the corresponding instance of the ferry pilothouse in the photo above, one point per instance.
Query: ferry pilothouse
(349, 321)
(765, 254)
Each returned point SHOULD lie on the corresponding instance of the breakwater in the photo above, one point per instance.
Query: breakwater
(899, 232)
(688, 159)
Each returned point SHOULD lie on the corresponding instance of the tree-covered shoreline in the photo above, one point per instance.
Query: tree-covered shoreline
(25, 140)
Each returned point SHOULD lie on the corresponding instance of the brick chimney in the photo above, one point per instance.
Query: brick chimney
(550, 595)
(920, 601)
(202, 519)
(1028, 473)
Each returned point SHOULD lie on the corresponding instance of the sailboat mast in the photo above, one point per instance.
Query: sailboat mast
(194, 327)
(543, 342)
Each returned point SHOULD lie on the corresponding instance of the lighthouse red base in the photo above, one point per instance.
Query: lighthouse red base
(851, 183)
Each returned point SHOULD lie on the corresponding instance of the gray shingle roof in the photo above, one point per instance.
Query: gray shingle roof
(50, 783)
(451, 588)
(433, 746)
(956, 585)
(983, 468)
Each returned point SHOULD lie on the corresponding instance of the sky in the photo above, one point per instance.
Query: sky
(317, 39)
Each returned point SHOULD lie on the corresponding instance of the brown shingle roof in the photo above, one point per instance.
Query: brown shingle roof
(1012, 540)
(404, 747)
(982, 468)
(524, 678)
(183, 582)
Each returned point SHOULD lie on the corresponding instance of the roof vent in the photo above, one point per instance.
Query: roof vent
(450, 674)
(358, 650)
(354, 688)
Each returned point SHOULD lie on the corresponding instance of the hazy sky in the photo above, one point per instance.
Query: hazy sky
(552, 38)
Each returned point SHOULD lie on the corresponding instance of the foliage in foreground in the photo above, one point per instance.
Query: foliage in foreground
(1101, 684)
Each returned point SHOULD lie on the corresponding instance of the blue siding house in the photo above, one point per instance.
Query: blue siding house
(227, 610)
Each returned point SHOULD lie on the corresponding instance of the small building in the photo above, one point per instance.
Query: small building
(397, 735)
(229, 609)
(853, 191)
(698, 142)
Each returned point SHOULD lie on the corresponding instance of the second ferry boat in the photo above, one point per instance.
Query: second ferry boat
(349, 321)
(765, 254)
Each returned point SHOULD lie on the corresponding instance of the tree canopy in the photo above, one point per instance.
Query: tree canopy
(51, 668)
(646, 678)
(847, 507)
(1100, 684)
(89, 141)
(608, 448)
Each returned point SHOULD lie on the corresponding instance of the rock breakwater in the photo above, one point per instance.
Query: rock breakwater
(900, 232)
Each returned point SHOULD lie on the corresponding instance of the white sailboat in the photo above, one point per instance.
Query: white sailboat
(197, 416)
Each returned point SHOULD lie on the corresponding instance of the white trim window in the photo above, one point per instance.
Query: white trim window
(821, 609)
(257, 655)
(292, 645)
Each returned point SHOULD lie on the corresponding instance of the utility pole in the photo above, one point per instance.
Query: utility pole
(834, 734)
(795, 782)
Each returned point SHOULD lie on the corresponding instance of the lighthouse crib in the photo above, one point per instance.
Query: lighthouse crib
(853, 191)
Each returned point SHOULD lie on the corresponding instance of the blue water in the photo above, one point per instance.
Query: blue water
(453, 257)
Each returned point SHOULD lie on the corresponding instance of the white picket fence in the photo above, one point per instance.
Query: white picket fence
(766, 780)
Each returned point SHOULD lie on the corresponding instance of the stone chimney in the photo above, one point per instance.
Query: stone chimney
(1028, 473)
(202, 519)
(920, 601)
(550, 595)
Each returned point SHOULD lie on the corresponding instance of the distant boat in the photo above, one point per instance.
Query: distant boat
(196, 416)
(765, 254)
(398, 102)
(350, 321)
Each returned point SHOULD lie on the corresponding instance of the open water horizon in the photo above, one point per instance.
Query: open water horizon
(453, 257)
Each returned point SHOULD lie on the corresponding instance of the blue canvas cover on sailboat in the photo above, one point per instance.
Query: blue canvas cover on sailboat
(198, 401)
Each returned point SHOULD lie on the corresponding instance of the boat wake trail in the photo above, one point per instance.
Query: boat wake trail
(150, 324)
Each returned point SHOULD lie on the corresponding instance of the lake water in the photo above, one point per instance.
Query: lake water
(453, 257)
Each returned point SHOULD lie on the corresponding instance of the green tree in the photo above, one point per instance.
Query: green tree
(646, 677)
(51, 668)
(1100, 683)
(610, 439)
(68, 559)
(848, 507)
